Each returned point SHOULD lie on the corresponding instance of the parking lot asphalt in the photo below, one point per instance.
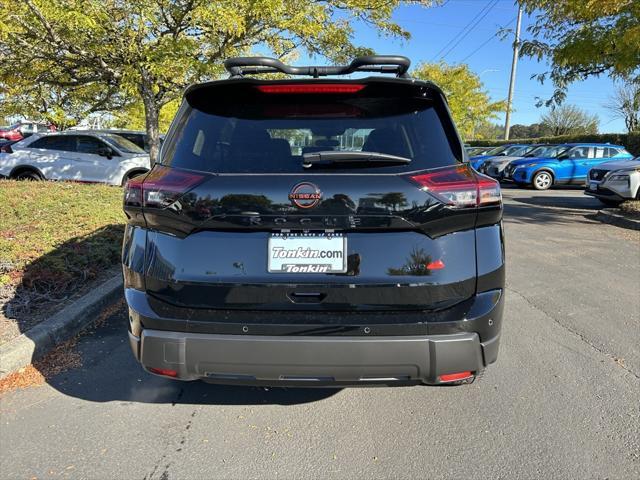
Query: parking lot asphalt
(563, 401)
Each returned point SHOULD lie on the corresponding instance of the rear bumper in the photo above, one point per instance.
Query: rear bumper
(312, 361)
(464, 338)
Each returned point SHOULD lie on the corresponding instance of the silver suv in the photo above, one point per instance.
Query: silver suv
(614, 182)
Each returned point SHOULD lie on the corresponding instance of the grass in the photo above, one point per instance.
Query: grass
(55, 235)
(631, 208)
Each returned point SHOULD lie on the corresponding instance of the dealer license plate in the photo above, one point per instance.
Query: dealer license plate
(307, 253)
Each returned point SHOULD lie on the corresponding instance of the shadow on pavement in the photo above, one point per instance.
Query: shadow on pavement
(532, 213)
(559, 206)
(109, 373)
(56, 276)
(565, 202)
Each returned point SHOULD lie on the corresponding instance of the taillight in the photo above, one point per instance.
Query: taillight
(160, 188)
(454, 377)
(6, 149)
(311, 88)
(165, 372)
(460, 187)
(133, 192)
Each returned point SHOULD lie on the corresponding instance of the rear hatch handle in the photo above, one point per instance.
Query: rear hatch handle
(306, 297)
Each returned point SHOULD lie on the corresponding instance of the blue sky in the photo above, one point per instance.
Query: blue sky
(432, 28)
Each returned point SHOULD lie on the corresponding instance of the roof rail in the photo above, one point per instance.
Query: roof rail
(396, 64)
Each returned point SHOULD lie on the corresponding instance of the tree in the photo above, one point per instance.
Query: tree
(470, 104)
(569, 120)
(132, 116)
(529, 131)
(105, 54)
(489, 131)
(625, 104)
(583, 38)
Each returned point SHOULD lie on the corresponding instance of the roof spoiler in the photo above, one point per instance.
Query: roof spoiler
(394, 64)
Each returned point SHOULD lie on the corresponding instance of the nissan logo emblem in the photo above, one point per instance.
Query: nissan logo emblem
(305, 195)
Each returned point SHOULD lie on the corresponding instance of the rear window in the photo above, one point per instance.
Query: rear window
(122, 143)
(254, 132)
(55, 142)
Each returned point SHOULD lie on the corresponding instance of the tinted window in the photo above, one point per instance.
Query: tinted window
(513, 150)
(55, 142)
(579, 152)
(271, 136)
(497, 150)
(122, 143)
(612, 151)
(136, 138)
(91, 145)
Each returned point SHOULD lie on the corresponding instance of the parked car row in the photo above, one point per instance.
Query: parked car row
(609, 172)
(23, 129)
(74, 155)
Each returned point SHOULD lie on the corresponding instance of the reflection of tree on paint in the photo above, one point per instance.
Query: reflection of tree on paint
(339, 202)
(240, 202)
(415, 265)
(393, 200)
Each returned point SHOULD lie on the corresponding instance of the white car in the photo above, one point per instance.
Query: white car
(74, 156)
(614, 182)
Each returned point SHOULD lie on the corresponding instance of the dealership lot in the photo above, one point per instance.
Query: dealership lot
(562, 400)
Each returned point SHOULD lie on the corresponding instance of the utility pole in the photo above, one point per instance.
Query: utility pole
(512, 82)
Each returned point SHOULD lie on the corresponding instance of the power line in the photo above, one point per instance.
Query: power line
(465, 27)
(488, 40)
(471, 28)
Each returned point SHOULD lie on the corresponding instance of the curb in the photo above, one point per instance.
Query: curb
(34, 343)
(612, 216)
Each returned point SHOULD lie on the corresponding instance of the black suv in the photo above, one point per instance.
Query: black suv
(314, 232)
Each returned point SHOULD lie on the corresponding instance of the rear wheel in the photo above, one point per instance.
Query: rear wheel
(29, 175)
(542, 180)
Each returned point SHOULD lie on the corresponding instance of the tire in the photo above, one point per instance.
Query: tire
(28, 175)
(542, 180)
(610, 203)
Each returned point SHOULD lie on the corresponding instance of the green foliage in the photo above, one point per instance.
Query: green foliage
(569, 120)
(631, 141)
(528, 131)
(101, 55)
(132, 116)
(582, 38)
(489, 130)
(470, 104)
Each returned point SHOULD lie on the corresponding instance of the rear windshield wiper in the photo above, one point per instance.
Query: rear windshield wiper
(337, 158)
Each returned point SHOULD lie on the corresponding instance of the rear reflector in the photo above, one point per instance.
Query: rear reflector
(310, 88)
(160, 188)
(437, 265)
(452, 377)
(460, 187)
(164, 372)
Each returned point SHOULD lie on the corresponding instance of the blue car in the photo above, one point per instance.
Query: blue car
(513, 150)
(570, 166)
